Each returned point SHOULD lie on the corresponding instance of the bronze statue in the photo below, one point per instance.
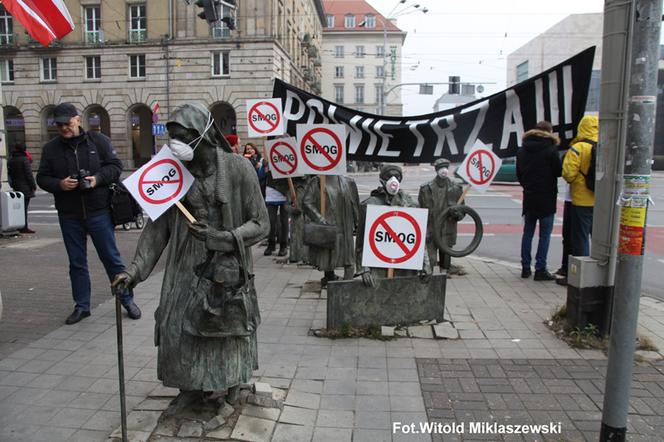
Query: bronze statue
(330, 238)
(298, 251)
(437, 195)
(389, 193)
(208, 314)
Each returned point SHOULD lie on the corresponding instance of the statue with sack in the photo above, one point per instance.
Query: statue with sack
(208, 312)
(328, 233)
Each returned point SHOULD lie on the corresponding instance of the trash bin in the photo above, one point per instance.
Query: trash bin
(12, 211)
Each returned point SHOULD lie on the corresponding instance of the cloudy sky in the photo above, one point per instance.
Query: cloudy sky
(470, 38)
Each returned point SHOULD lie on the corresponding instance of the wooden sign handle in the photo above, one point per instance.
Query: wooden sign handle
(321, 179)
(463, 195)
(390, 273)
(185, 212)
(291, 187)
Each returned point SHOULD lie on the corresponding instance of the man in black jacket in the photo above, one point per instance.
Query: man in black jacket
(21, 180)
(77, 167)
(538, 167)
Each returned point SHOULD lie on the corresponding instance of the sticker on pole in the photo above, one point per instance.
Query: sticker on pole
(264, 117)
(322, 149)
(480, 167)
(283, 158)
(159, 184)
(394, 237)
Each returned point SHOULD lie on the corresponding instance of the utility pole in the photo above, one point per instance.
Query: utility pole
(633, 202)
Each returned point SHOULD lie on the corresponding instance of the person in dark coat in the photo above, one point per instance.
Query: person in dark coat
(21, 179)
(538, 167)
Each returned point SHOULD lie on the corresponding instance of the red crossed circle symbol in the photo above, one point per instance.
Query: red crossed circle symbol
(272, 124)
(310, 136)
(281, 157)
(479, 154)
(381, 222)
(142, 181)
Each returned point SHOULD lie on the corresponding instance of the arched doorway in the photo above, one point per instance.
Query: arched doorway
(95, 118)
(224, 115)
(49, 129)
(140, 134)
(14, 127)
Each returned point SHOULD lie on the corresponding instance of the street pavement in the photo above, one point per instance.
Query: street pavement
(505, 367)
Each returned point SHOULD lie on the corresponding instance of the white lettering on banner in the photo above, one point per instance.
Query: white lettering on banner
(355, 135)
(445, 134)
(291, 99)
(331, 114)
(372, 136)
(567, 98)
(385, 140)
(412, 126)
(513, 122)
(553, 98)
(312, 104)
(482, 108)
(539, 100)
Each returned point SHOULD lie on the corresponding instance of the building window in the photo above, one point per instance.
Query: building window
(137, 66)
(339, 52)
(522, 72)
(330, 21)
(6, 71)
(339, 72)
(380, 96)
(380, 71)
(221, 64)
(6, 27)
(380, 51)
(359, 51)
(359, 93)
(93, 67)
(220, 28)
(349, 21)
(359, 71)
(369, 21)
(138, 23)
(339, 93)
(93, 24)
(49, 69)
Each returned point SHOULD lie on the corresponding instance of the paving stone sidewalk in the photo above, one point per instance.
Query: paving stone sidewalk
(64, 386)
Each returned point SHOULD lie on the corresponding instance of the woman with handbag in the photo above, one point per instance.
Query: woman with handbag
(208, 313)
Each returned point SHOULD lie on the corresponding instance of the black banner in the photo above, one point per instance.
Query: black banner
(557, 95)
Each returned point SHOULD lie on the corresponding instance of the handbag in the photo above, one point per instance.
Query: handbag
(320, 235)
(122, 205)
(223, 303)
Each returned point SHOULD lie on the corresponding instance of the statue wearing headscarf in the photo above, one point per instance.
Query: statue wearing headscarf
(389, 193)
(437, 195)
(298, 251)
(208, 263)
(342, 206)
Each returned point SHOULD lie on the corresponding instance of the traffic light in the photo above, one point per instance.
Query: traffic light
(210, 11)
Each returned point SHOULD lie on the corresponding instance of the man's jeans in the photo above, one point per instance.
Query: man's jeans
(545, 228)
(582, 226)
(101, 230)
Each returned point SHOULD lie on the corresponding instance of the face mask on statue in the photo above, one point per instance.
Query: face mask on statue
(392, 186)
(443, 172)
(183, 151)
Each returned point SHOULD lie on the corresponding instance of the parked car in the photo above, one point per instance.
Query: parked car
(507, 171)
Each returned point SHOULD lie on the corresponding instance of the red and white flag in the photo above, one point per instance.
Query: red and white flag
(45, 20)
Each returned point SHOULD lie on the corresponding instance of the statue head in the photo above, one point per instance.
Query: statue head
(390, 178)
(189, 126)
(442, 166)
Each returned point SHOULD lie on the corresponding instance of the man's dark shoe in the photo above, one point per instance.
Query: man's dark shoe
(282, 251)
(543, 275)
(561, 271)
(132, 310)
(76, 316)
(526, 272)
(561, 281)
(27, 231)
(268, 251)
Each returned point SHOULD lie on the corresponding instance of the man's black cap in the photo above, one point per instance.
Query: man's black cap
(64, 112)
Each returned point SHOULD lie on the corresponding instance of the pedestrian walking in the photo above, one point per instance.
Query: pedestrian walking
(277, 209)
(77, 167)
(19, 174)
(576, 167)
(538, 167)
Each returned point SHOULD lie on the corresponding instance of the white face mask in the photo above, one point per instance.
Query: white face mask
(443, 172)
(183, 151)
(392, 186)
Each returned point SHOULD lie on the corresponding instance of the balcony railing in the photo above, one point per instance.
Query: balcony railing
(7, 39)
(138, 35)
(94, 37)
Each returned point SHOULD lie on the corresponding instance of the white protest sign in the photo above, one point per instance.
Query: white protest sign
(264, 117)
(480, 167)
(283, 158)
(322, 149)
(394, 237)
(159, 184)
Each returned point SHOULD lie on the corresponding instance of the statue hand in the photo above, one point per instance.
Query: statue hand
(221, 240)
(368, 279)
(199, 230)
(295, 211)
(425, 275)
(122, 282)
(456, 214)
(323, 221)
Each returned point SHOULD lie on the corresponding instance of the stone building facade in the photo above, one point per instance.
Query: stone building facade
(128, 64)
(361, 58)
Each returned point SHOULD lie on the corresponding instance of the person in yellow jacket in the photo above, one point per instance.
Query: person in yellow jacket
(575, 169)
